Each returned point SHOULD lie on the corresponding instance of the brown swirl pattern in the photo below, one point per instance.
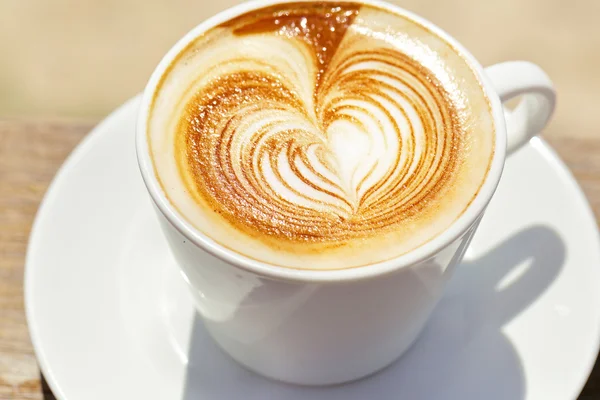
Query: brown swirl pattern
(374, 144)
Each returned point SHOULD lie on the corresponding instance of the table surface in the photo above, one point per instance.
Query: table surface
(30, 154)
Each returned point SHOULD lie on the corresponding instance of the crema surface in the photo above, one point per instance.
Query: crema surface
(320, 135)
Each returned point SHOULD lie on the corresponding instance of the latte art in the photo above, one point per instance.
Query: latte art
(305, 134)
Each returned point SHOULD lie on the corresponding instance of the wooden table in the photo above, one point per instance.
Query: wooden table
(30, 154)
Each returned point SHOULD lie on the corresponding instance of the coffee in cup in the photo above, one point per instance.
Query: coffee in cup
(320, 135)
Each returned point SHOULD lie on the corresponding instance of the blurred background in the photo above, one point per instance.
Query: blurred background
(81, 59)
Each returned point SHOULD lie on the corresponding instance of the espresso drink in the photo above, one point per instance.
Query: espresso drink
(320, 135)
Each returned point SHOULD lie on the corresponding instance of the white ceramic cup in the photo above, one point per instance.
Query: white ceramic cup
(326, 327)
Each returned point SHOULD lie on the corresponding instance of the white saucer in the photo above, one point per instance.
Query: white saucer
(110, 318)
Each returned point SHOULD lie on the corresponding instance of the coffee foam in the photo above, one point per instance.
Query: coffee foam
(320, 135)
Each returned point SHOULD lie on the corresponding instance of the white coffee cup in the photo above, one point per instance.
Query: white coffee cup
(325, 327)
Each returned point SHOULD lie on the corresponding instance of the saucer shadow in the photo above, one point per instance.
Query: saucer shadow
(462, 354)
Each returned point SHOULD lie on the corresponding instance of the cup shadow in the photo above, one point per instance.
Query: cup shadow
(462, 353)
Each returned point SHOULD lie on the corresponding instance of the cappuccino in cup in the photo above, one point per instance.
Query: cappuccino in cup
(320, 135)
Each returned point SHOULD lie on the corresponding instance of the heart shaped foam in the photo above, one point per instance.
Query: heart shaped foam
(360, 141)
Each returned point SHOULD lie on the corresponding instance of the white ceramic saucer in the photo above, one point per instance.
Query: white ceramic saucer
(110, 318)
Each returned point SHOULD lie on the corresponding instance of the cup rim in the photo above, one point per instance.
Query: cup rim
(425, 251)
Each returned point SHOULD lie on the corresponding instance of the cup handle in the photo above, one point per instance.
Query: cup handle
(522, 78)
